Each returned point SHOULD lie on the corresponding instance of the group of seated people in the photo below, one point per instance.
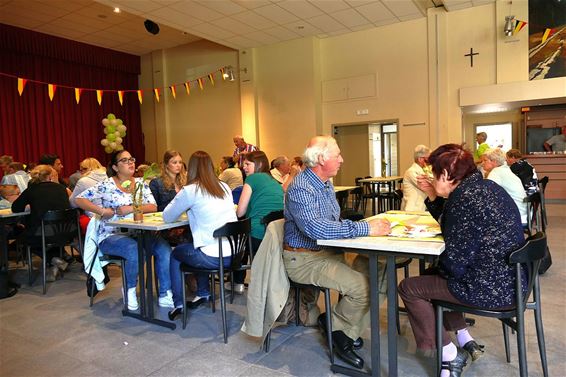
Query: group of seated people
(472, 270)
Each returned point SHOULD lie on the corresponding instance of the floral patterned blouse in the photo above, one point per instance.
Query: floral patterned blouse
(108, 195)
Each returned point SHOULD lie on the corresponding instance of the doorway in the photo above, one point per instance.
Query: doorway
(499, 135)
(368, 149)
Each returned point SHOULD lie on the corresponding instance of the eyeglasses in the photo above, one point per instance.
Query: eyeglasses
(83, 169)
(126, 160)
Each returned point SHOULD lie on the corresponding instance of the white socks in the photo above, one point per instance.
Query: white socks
(463, 337)
(449, 353)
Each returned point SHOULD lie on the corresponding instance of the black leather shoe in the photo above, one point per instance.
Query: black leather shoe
(356, 344)
(457, 365)
(195, 304)
(475, 350)
(342, 345)
(173, 314)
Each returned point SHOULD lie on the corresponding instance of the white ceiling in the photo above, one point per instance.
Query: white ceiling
(234, 23)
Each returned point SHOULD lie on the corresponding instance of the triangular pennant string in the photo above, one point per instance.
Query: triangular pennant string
(211, 78)
(188, 88)
(547, 33)
(222, 74)
(21, 85)
(121, 97)
(140, 95)
(78, 92)
(51, 88)
(519, 25)
(99, 96)
(200, 84)
(156, 91)
(173, 91)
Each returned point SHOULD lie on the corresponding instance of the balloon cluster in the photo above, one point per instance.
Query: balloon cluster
(115, 131)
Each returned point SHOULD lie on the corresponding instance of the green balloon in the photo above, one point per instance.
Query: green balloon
(122, 133)
(111, 129)
(111, 116)
(108, 149)
(111, 137)
(119, 121)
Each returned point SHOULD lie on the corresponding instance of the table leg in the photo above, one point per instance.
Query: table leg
(149, 270)
(391, 315)
(141, 269)
(374, 311)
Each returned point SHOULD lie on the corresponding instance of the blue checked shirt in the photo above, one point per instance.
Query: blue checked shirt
(312, 213)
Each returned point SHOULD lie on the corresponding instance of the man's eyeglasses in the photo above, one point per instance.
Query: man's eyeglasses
(126, 160)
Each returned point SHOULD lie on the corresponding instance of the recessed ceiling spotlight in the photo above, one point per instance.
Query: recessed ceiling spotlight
(117, 10)
(102, 16)
(300, 27)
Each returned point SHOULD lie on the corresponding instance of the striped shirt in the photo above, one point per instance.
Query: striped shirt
(247, 149)
(312, 213)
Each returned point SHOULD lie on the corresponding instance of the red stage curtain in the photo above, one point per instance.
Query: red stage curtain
(32, 125)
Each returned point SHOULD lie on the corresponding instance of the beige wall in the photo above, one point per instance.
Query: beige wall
(419, 68)
(205, 119)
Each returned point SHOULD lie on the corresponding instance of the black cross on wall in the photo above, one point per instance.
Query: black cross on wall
(471, 55)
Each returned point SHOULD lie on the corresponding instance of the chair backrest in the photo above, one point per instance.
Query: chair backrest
(529, 255)
(236, 194)
(342, 198)
(542, 183)
(357, 197)
(397, 198)
(238, 235)
(272, 216)
(60, 227)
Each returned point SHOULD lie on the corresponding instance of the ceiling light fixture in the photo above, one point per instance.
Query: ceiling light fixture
(228, 73)
(117, 10)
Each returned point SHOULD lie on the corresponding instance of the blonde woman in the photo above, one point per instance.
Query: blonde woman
(43, 194)
(173, 178)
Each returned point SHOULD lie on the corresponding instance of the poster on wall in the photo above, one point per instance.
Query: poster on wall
(547, 35)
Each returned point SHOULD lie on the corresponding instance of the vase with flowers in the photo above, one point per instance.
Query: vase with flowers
(137, 191)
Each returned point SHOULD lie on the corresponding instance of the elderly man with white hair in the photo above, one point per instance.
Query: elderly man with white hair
(413, 196)
(281, 169)
(312, 213)
(496, 168)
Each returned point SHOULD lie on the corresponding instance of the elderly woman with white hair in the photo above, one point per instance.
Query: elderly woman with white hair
(495, 165)
(413, 196)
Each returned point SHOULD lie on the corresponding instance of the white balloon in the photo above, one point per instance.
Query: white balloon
(112, 145)
(118, 140)
(117, 133)
(121, 128)
(113, 122)
(119, 147)
(104, 142)
(105, 122)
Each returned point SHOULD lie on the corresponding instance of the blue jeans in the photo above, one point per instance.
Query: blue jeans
(186, 253)
(127, 247)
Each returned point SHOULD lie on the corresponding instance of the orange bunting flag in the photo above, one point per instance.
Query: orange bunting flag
(121, 97)
(200, 84)
(222, 74)
(51, 91)
(99, 96)
(21, 85)
(78, 92)
(518, 26)
(211, 78)
(547, 33)
(173, 91)
(156, 91)
(188, 88)
(140, 96)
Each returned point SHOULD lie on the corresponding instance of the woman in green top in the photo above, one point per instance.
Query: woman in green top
(261, 195)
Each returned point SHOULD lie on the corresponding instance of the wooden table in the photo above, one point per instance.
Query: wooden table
(152, 222)
(389, 247)
(344, 188)
(375, 184)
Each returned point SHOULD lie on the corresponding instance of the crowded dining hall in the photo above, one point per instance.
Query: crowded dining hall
(282, 188)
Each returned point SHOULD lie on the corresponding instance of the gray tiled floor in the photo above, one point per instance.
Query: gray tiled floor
(59, 335)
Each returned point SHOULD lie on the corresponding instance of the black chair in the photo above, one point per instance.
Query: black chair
(351, 211)
(529, 255)
(238, 235)
(542, 186)
(107, 259)
(276, 215)
(59, 228)
(369, 193)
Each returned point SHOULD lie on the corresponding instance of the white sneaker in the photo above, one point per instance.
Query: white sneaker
(238, 288)
(167, 300)
(132, 299)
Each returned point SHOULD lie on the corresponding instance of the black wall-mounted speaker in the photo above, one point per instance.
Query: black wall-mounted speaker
(151, 27)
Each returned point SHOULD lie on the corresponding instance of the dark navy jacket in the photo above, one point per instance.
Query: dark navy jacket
(160, 193)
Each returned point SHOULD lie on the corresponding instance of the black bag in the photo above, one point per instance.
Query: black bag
(5, 289)
(545, 263)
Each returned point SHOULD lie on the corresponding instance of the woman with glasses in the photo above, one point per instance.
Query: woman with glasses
(208, 204)
(111, 199)
(92, 172)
